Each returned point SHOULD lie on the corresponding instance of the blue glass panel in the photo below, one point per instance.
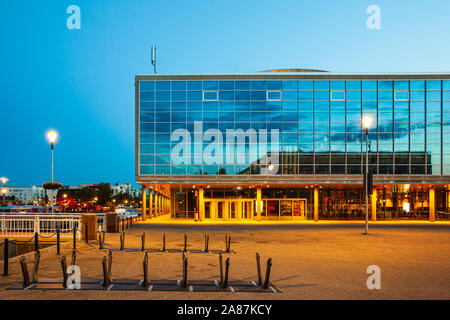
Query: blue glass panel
(194, 85)
(321, 106)
(385, 85)
(226, 95)
(274, 95)
(401, 106)
(242, 106)
(147, 148)
(289, 85)
(290, 106)
(226, 85)
(147, 127)
(146, 85)
(401, 95)
(305, 116)
(446, 85)
(194, 106)
(306, 95)
(210, 85)
(162, 106)
(290, 95)
(242, 85)
(194, 95)
(146, 169)
(242, 95)
(273, 85)
(178, 116)
(369, 85)
(290, 116)
(417, 85)
(258, 85)
(305, 85)
(354, 95)
(242, 116)
(337, 85)
(162, 117)
(178, 85)
(147, 117)
(162, 138)
(179, 95)
(258, 95)
(321, 85)
(353, 106)
(433, 85)
(353, 85)
(162, 85)
(433, 106)
(147, 137)
(417, 95)
(163, 170)
(370, 95)
(401, 85)
(290, 126)
(178, 106)
(337, 95)
(322, 95)
(147, 159)
(384, 95)
(273, 116)
(162, 95)
(147, 95)
(337, 116)
(258, 106)
(147, 106)
(433, 96)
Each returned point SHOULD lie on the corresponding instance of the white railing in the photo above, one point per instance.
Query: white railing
(24, 225)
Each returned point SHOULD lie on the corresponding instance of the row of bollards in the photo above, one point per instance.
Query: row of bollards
(27, 282)
(163, 248)
(264, 285)
(126, 222)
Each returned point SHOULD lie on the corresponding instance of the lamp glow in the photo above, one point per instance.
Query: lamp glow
(367, 121)
(52, 136)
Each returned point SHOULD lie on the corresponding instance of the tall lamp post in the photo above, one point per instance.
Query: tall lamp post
(52, 136)
(4, 181)
(366, 122)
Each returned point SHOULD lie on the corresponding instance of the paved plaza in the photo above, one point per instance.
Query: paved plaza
(310, 261)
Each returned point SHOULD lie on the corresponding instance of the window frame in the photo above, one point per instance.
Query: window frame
(331, 95)
(209, 91)
(270, 91)
(395, 95)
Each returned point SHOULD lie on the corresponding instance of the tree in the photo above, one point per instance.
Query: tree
(104, 193)
(86, 194)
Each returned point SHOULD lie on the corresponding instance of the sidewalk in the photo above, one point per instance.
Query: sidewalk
(166, 219)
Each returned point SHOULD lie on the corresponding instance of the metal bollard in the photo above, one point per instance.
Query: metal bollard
(105, 283)
(269, 266)
(74, 258)
(64, 271)
(100, 241)
(185, 243)
(221, 268)
(131, 222)
(110, 266)
(184, 282)
(258, 265)
(37, 259)
(126, 220)
(122, 241)
(164, 242)
(227, 243)
(58, 242)
(36, 242)
(6, 257)
(225, 280)
(74, 239)
(26, 276)
(206, 243)
(86, 233)
(145, 283)
(143, 242)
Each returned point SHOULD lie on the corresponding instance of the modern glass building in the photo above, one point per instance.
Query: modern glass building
(290, 145)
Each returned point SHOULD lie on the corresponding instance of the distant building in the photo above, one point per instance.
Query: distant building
(125, 188)
(29, 195)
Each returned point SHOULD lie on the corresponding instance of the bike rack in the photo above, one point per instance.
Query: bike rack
(258, 265)
(206, 244)
(225, 280)
(164, 242)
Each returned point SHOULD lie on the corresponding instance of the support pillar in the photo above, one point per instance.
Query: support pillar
(201, 204)
(374, 205)
(156, 204)
(144, 203)
(316, 204)
(213, 209)
(258, 204)
(431, 202)
(150, 204)
(239, 209)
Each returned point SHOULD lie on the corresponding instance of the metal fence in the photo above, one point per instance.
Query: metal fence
(24, 225)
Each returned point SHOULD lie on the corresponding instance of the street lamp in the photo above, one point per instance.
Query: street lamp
(52, 136)
(366, 122)
(4, 181)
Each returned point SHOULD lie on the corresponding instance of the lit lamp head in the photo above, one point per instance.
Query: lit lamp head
(270, 167)
(366, 122)
(52, 136)
(4, 190)
(4, 180)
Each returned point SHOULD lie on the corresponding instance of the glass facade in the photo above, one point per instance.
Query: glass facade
(318, 124)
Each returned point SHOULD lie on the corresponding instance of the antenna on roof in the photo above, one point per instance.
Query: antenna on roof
(154, 58)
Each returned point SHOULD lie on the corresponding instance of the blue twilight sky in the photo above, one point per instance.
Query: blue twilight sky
(81, 82)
